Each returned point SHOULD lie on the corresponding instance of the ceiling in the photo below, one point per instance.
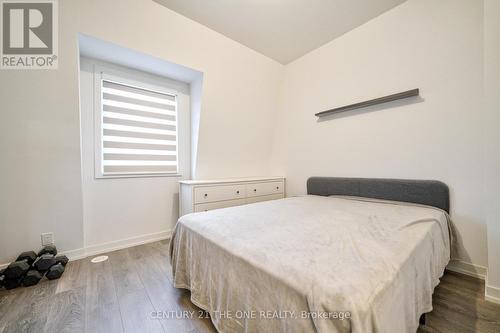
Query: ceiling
(281, 29)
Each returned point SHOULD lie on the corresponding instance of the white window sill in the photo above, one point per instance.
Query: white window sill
(151, 175)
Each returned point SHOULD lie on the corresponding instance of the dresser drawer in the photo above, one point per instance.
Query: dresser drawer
(257, 189)
(220, 204)
(204, 194)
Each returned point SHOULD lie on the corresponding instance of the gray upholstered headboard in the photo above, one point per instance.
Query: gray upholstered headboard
(425, 192)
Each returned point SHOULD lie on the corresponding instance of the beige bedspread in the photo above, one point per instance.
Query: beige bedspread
(302, 264)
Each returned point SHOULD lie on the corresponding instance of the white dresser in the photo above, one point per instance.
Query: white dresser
(203, 195)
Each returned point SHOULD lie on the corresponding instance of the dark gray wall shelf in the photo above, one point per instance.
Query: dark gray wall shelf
(380, 100)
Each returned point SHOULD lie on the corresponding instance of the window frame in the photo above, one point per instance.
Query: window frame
(146, 81)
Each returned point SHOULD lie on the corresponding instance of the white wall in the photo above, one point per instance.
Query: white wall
(492, 140)
(40, 179)
(40, 137)
(432, 45)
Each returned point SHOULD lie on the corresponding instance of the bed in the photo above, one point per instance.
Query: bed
(353, 255)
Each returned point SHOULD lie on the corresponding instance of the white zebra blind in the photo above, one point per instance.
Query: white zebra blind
(139, 130)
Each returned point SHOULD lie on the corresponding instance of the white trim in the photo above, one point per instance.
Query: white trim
(140, 175)
(93, 250)
(125, 243)
(164, 85)
(492, 294)
(466, 268)
(74, 254)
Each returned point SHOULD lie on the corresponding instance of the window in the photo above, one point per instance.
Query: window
(137, 126)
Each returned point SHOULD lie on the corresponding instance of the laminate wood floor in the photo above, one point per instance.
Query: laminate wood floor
(124, 293)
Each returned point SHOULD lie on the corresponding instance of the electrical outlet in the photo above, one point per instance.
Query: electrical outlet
(47, 238)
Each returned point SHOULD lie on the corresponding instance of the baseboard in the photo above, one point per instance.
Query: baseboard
(466, 268)
(128, 242)
(492, 294)
(112, 246)
(74, 254)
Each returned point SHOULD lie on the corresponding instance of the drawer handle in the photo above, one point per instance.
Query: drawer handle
(206, 195)
(255, 190)
(277, 187)
(237, 192)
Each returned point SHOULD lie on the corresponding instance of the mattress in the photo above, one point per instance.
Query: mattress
(313, 264)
